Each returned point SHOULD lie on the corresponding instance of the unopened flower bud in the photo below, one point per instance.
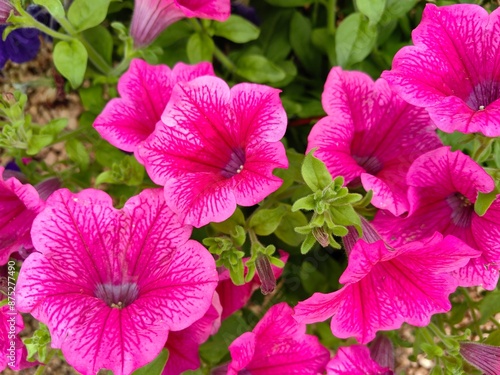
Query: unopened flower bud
(265, 273)
(321, 236)
(484, 357)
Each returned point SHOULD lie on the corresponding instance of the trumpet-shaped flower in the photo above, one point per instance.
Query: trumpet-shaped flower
(19, 205)
(110, 284)
(371, 136)
(443, 187)
(151, 17)
(355, 360)
(145, 91)
(183, 346)
(385, 287)
(452, 68)
(12, 350)
(278, 345)
(217, 147)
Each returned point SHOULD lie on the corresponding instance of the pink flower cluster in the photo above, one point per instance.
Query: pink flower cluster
(426, 238)
(115, 287)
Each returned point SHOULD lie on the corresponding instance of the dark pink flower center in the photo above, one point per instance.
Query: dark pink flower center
(370, 164)
(235, 163)
(462, 210)
(483, 94)
(117, 295)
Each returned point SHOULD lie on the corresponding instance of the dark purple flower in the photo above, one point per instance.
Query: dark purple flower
(21, 45)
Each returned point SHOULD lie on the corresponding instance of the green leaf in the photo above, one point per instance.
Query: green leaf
(286, 230)
(259, 69)
(156, 367)
(37, 142)
(77, 152)
(493, 338)
(200, 47)
(274, 35)
(373, 9)
(54, 7)
(354, 40)
(289, 3)
(395, 9)
(92, 98)
(84, 14)
(265, 221)
(215, 349)
(315, 173)
(489, 306)
(54, 127)
(484, 201)
(128, 172)
(228, 225)
(236, 29)
(70, 59)
(100, 38)
(300, 39)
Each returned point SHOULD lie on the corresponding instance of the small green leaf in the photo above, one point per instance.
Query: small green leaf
(228, 225)
(259, 69)
(354, 40)
(54, 7)
(200, 47)
(484, 202)
(84, 14)
(395, 9)
(54, 127)
(37, 142)
(70, 59)
(156, 367)
(307, 203)
(236, 29)
(315, 173)
(286, 230)
(373, 9)
(300, 40)
(307, 244)
(78, 153)
(102, 41)
(489, 306)
(265, 221)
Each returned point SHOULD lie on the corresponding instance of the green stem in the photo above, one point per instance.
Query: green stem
(471, 304)
(444, 339)
(224, 60)
(331, 16)
(41, 368)
(95, 58)
(68, 135)
(484, 143)
(40, 26)
(495, 322)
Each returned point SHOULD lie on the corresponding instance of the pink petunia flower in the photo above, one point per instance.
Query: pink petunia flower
(443, 187)
(384, 287)
(371, 136)
(183, 346)
(451, 70)
(278, 345)
(19, 205)
(12, 350)
(110, 284)
(145, 90)
(151, 17)
(234, 297)
(355, 360)
(217, 147)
